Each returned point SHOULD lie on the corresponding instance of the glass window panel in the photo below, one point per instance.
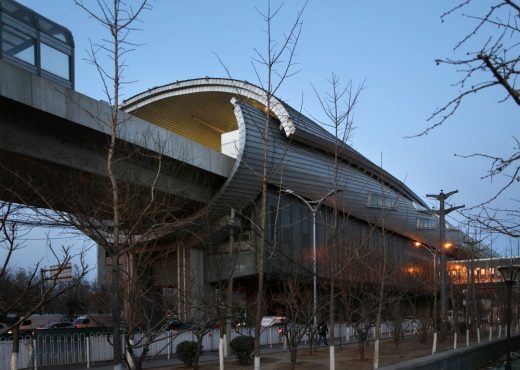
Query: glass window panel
(52, 29)
(426, 223)
(18, 44)
(54, 61)
(381, 201)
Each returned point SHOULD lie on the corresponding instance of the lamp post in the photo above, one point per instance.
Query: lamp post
(433, 252)
(313, 206)
(510, 275)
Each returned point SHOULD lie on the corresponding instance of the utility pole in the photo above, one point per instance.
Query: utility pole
(442, 212)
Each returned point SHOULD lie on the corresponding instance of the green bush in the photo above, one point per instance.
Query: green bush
(243, 347)
(186, 352)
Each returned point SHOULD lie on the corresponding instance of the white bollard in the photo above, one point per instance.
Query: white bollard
(35, 355)
(478, 335)
(332, 358)
(467, 337)
(434, 347)
(221, 353)
(226, 344)
(455, 340)
(490, 332)
(500, 331)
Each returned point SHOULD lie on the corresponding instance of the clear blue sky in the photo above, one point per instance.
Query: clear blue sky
(391, 45)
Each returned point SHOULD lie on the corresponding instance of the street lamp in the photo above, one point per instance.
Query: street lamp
(433, 252)
(510, 275)
(313, 206)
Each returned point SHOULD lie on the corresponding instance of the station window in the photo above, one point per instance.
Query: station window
(35, 43)
(54, 61)
(424, 222)
(381, 201)
(18, 45)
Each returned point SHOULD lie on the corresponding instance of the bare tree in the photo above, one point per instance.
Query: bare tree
(119, 19)
(338, 105)
(277, 62)
(493, 63)
(25, 290)
(489, 59)
(296, 298)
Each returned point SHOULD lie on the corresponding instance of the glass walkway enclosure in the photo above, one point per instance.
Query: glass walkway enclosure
(35, 43)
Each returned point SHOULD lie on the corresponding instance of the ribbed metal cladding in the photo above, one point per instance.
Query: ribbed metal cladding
(300, 155)
(310, 173)
(244, 183)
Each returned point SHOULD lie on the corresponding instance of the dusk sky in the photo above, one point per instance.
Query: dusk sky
(391, 46)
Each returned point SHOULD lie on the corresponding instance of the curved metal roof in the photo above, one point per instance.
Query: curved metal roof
(299, 152)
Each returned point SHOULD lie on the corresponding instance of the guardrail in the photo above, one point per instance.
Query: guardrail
(473, 357)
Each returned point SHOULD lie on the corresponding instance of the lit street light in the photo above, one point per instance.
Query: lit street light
(510, 275)
(313, 205)
(433, 252)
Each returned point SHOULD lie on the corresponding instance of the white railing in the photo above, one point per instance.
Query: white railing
(76, 348)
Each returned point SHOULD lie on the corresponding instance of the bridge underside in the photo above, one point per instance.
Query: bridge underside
(47, 161)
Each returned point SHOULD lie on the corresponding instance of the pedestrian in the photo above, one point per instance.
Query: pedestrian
(322, 332)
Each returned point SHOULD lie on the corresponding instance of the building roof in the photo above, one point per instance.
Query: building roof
(299, 153)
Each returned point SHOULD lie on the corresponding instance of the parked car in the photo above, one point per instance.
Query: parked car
(92, 321)
(277, 322)
(241, 321)
(178, 325)
(57, 325)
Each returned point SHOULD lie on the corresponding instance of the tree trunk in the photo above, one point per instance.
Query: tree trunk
(16, 348)
(294, 356)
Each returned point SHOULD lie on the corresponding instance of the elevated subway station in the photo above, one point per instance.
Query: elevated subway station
(210, 135)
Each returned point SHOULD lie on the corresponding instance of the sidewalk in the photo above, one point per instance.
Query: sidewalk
(276, 358)
(163, 362)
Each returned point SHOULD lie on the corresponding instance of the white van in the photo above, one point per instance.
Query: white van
(269, 321)
(36, 321)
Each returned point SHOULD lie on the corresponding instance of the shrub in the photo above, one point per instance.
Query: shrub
(243, 347)
(186, 352)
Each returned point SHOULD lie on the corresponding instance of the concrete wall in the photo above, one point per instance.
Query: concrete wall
(473, 357)
(39, 93)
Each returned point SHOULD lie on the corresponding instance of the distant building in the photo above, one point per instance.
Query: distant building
(481, 271)
(478, 289)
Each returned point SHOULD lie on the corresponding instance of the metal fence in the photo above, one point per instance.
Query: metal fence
(86, 348)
